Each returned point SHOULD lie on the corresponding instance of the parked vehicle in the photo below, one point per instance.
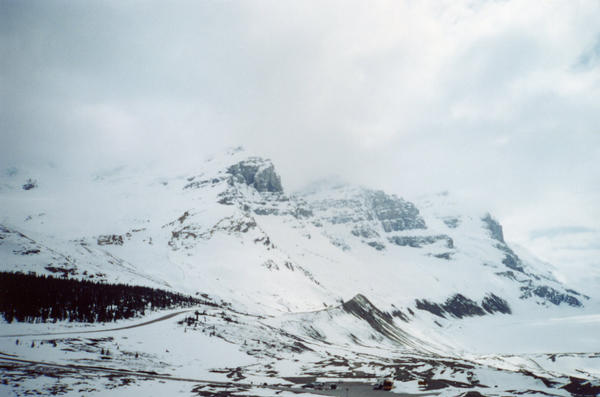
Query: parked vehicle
(314, 385)
(384, 384)
(319, 385)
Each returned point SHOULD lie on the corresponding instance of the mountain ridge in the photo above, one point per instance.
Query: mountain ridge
(333, 281)
(242, 197)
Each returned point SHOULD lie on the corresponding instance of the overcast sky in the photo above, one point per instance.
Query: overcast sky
(496, 101)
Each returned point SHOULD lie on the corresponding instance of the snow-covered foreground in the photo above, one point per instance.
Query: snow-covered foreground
(335, 282)
(232, 352)
(565, 334)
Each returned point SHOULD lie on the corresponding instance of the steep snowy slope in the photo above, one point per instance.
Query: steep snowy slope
(230, 230)
(335, 280)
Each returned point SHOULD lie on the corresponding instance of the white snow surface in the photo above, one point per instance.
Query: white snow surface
(292, 259)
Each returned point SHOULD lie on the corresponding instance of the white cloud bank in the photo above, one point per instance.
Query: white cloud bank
(498, 101)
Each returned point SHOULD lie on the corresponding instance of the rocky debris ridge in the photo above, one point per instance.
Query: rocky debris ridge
(367, 209)
(419, 241)
(380, 321)
(369, 214)
(395, 213)
(364, 232)
(460, 306)
(550, 294)
(494, 227)
(492, 303)
(258, 173)
(187, 232)
(511, 260)
(530, 289)
(377, 245)
(196, 184)
(531, 283)
(110, 239)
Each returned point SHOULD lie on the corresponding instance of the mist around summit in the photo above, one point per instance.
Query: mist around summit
(282, 198)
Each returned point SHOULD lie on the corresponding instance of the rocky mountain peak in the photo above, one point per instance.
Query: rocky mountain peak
(494, 227)
(258, 173)
(395, 213)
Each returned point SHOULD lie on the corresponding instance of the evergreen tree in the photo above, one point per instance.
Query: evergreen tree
(33, 298)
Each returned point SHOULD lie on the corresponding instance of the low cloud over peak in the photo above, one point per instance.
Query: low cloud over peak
(478, 97)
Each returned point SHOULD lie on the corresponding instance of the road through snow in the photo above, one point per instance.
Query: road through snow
(163, 318)
(349, 389)
(344, 389)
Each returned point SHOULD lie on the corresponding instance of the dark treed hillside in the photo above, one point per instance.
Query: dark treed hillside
(33, 298)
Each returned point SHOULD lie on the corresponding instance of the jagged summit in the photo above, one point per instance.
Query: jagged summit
(494, 227)
(230, 227)
(258, 173)
(336, 265)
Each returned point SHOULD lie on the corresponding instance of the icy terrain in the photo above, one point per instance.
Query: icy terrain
(335, 282)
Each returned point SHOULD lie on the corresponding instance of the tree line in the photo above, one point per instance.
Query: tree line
(39, 298)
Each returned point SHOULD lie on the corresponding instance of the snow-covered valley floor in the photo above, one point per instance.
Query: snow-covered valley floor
(334, 283)
(223, 352)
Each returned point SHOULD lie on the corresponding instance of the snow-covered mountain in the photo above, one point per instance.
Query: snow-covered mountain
(334, 263)
(232, 230)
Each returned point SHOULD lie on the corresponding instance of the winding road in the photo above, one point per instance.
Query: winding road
(344, 389)
(163, 318)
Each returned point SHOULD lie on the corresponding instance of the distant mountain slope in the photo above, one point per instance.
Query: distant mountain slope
(335, 280)
(231, 230)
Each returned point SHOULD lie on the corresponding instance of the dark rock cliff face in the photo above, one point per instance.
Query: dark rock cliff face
(361, 307)
(494, 227)
(530, 288)
(372, 216)
(394, 213)
(493, 303)
(460, 306)
(110, 239)
(258, 173)
(511, 260)
(550, 294)
(380, 321)
(379, 220)
(364, 232)
(419, 241)
(431, 307)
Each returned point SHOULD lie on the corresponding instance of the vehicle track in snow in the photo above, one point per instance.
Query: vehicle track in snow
(96, 368)
(351, 388)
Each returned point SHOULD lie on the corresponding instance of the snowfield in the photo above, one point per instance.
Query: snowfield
(335, 283)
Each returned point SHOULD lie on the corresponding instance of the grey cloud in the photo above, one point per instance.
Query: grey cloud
(590, 57)
(406, 96)
(559, 231)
